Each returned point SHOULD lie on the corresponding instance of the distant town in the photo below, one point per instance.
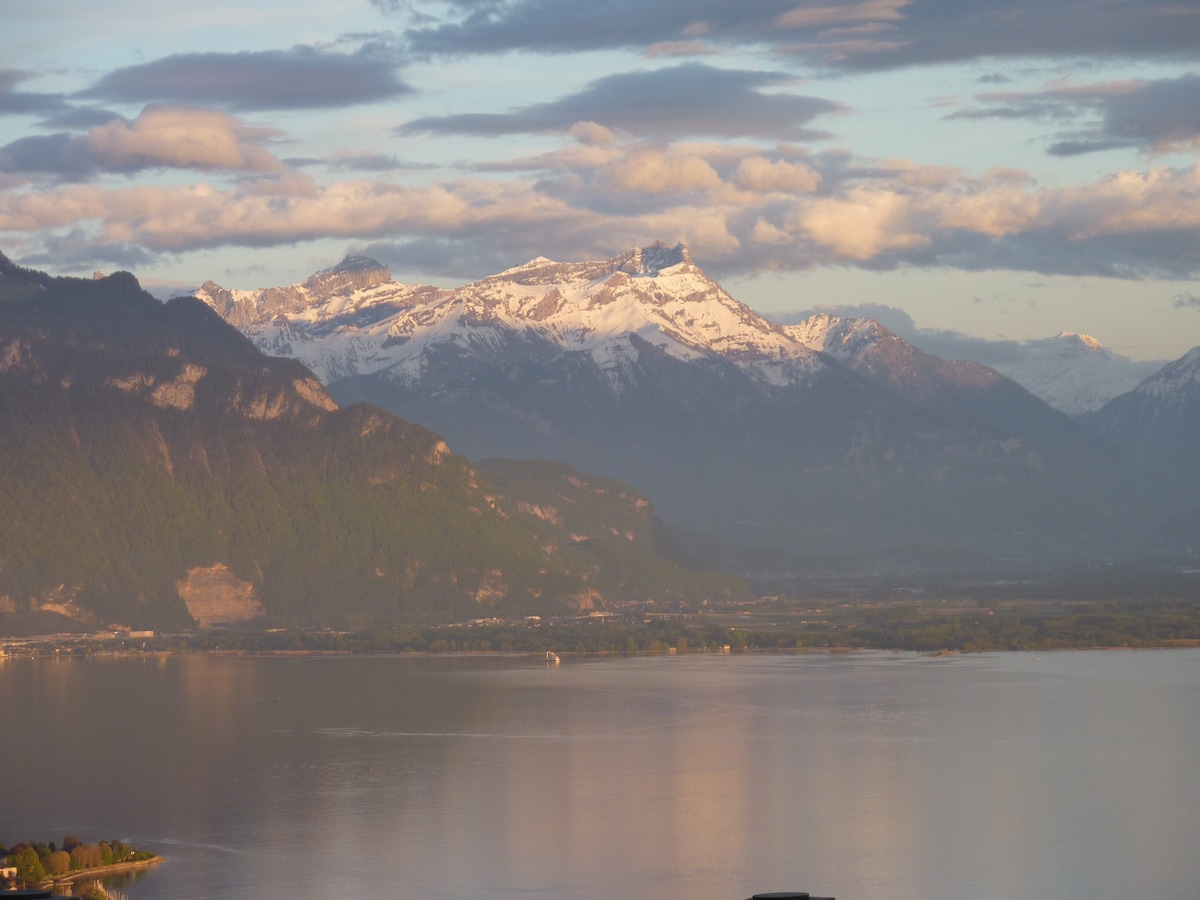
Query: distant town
(899, 619)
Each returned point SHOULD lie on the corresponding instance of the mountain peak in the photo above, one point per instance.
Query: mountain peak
(1084, 340)
(352, 272)
(354, 263)
(643, 261)
(658, 256)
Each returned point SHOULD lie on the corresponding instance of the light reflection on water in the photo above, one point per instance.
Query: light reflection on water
(863, 776)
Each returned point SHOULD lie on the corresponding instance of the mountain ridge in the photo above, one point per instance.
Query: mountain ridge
(161, 472)
(832, 432)
(1158, 422)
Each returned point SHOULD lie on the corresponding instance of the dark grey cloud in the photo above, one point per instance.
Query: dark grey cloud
(1150, 253)
(75, 118)
(408, 8)
(1162, 113)
(551, 26)
(1153, 115)
(463, 259)
(16, 103)
(862, 34)
(299, 78)
(65, 156)
(940, 31)
(689, 99)
(80, 252)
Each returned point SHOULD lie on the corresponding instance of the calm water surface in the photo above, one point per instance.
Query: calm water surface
(872, 776)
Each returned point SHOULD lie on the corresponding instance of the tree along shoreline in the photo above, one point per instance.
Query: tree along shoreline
(43, 866)
(102, 871)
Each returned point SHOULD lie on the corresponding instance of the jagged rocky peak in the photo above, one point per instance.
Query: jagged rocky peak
(653, 259)
(643, 261)
(353, 272)
(356, 263)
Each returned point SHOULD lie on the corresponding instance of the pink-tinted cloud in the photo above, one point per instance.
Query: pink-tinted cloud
(162, 137)
(182, 138)
(740, 209)
(756, 173)
(842, 14)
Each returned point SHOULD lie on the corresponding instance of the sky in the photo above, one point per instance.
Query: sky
(999, 169)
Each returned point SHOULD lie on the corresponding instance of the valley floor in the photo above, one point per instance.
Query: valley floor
(898, 621)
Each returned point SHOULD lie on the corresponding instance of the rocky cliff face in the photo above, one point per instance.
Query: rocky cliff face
(330, 287)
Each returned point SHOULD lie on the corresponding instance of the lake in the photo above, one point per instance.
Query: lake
(860, 776)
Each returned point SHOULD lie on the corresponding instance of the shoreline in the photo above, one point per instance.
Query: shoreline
(102, 871)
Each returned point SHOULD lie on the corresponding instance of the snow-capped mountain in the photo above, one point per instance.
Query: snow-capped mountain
(1158, 422)
(873, 351)
(354, 320)
(1074, 373)
(830, 434)
(335, 322)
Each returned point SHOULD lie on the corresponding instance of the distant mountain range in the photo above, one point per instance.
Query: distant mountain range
(1075, 373)
(160, 471)
(827, 435)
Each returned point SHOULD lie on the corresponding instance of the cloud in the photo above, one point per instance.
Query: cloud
(658, 172)
(689, 99)
(681, 48)
(592, 135)
(63, 155)
(742, 209)
(757, 173)
(78, 118)
(182, 138)
(21, 103)
(459, 258)
(867, 11)
(1187, 301)
(869, 34)
(299, 78)
(364, 162)
(161, 137)
(550, 26)
(77, 251)
(942, 31)
(1158, 116)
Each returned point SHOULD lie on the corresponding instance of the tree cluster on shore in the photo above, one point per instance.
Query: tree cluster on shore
(36, 862)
